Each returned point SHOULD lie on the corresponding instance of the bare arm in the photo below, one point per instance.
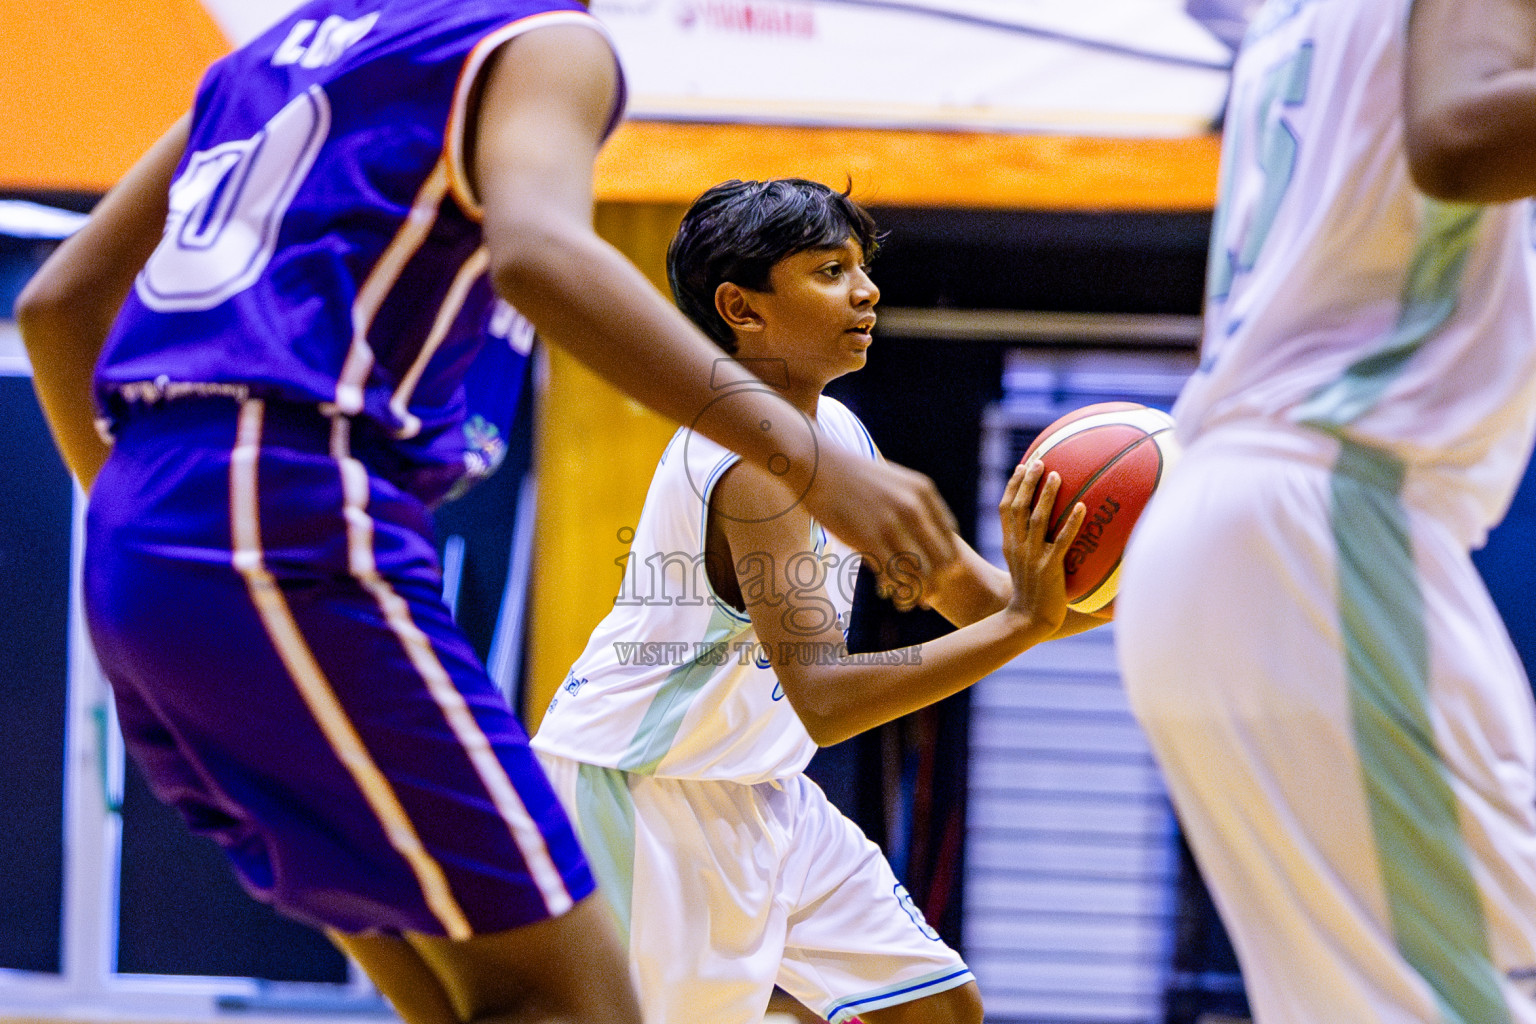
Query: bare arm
(838, 695)
(67, 308)
(544, 107)
(1470, 99)
(978, 589)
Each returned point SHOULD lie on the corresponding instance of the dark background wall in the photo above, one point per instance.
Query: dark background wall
(34, 576)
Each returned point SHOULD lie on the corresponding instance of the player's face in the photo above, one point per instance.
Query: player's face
(819, 311)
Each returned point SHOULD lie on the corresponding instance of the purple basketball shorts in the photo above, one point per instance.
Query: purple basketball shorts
(269, 614)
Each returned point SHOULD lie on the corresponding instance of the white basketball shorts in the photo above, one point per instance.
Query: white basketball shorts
(724, 890)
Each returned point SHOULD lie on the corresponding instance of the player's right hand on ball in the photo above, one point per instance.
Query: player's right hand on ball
(1036, 562)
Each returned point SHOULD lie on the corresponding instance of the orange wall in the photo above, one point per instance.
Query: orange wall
(87, 85)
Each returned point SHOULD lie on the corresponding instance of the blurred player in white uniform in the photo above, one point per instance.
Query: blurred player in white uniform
(1345, 728)
(680, 738)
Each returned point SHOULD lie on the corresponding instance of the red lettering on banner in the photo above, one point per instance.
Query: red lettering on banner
(750, 17)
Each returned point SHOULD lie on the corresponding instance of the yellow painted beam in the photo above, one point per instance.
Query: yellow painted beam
(594, 454)
(655, 162)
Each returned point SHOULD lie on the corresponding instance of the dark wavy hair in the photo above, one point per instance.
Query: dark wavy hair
(738, 230)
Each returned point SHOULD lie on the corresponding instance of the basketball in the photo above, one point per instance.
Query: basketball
(1111, 457)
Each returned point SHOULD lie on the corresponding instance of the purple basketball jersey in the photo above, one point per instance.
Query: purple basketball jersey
(323, 245)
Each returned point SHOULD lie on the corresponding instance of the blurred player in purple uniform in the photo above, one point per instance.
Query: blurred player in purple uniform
(281, 302)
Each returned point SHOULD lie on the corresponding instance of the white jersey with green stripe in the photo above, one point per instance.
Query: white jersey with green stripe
(674, 681)
(1312, 319)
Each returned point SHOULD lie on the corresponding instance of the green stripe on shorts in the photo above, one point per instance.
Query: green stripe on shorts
(1437, 911)
(605, 817)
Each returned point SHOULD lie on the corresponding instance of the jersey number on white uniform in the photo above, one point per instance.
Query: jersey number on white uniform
(1275, 150)
(226, 207)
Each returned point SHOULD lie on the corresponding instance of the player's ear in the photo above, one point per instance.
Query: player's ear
(734, 304)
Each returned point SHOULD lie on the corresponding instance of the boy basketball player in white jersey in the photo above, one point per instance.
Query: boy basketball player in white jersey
(679, 738)
(1346, 730)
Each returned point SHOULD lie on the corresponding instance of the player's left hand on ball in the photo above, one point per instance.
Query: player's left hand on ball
(1035, 561)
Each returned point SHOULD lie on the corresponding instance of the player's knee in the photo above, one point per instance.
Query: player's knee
(566, 968)
(957, 1006)
(964, 1005)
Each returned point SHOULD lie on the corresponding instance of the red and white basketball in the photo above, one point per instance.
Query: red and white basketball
(1111, 457)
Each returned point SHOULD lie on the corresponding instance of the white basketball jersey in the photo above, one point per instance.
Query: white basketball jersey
(673, 681)
(1343, 299)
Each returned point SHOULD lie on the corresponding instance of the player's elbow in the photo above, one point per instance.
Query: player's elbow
(1441, 172)
(42, 306)
(819, 711)
(1454, 158)
(827, 731)
(536, 254)
(520, 254)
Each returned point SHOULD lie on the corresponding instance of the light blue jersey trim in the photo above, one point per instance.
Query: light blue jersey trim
(664, 717)
(901, 992)
(1429, 300)
(1435, 906)
(605, 817)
